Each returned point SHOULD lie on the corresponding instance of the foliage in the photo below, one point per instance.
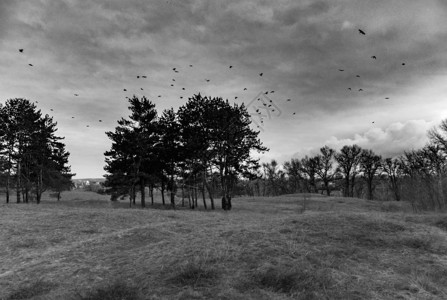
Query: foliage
(32, 155)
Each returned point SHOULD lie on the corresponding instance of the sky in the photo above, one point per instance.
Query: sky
(96, 49)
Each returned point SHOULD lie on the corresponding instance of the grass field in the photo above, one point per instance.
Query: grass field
(86, 247)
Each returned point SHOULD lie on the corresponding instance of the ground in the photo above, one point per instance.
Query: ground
(287, 247)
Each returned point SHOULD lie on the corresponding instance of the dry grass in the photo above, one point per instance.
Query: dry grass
(335, 248)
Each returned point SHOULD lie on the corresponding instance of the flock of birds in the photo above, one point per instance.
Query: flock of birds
(262, 105)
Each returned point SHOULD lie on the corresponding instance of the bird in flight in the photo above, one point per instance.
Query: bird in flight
(235, 97)
(142, 89)
(360, 90)
(21, 50)
(144, 76)
(288, 99)
(357, 75)
(125, 90)
(362, 32)
(181, 97)
(72, 117)
(403, 64)
(231, 67)
(260, 74)
(373, 57)
(245, 89)
(387, 98)
(172, 85)
(350, 89)
(51, 109)
(340, 70)
(294, 113)
(138, 76)
(207, 80)
(183, 88)
(100, 120)
(30, 65)
(159, 96)
(190, 66)
(76, 95)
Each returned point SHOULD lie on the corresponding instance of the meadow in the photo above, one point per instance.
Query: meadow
(297, 246)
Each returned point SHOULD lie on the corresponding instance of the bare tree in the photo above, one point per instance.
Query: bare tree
(394, 171)
(325, 168)
(348, 160)
(370, 164)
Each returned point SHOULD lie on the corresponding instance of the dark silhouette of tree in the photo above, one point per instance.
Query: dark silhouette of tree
(133, 148)
(348, 160)
(370, 164)
(325, 168)
(34, 154)
(169, 148)
(309, 166)
(394, 170)
(293, 171)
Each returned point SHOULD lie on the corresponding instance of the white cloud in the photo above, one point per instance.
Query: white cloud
(390, 141)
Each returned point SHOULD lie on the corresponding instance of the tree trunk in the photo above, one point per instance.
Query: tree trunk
(328, 188)
(370, 187)
(7, 178)
(152, 194)
(142, 192)
(191, 198)
(203, 195)
(172, 192)
(210, 194)
(18, 185)
(163, 192)
(196, 196)
(183, 195)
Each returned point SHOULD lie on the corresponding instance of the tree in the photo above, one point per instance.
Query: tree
(271, 175)
(169, 148)
(233, 141)
(369, 165)
(394, 171)
(133, 148)
(293, 171)
(309, 166)
(325, 169)
(35, 155)
(348, 160)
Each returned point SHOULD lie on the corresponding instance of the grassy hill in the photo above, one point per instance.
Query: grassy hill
(86, 247)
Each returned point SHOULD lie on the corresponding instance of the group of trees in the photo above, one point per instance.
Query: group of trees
(32, 158)
(204, 146)
(325, 171)
(418, 176)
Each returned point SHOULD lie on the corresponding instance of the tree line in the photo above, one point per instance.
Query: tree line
(202, 148)
(418, 176)
(33, 158)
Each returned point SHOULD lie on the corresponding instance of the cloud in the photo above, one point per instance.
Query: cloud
(390, 141)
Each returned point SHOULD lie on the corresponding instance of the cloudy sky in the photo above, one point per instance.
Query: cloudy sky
(96, 49)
